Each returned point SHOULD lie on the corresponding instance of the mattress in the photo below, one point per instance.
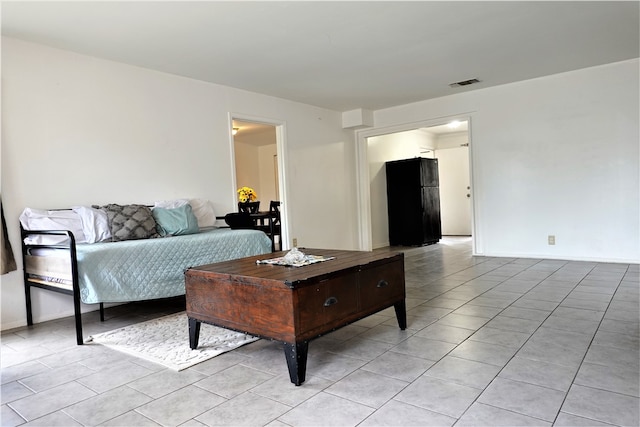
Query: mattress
(135, 270)
(50, 267)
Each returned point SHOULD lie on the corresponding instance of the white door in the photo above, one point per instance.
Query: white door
(455, 191)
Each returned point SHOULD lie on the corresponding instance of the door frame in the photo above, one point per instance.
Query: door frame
(363, 179)
(281, 154)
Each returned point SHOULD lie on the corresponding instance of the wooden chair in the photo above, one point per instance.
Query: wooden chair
(274, 229)
(274, 209)
(249, 207)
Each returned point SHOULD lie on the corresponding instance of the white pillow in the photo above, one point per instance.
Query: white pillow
(171, 204)
(95, 223)
(38, 219)
(203, 210)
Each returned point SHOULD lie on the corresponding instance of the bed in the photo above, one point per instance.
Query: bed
(128, 270)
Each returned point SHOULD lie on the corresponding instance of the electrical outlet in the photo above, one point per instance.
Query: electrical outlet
(552, 240)
(295, 242)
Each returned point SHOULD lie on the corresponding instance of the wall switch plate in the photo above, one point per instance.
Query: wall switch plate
(552, 240)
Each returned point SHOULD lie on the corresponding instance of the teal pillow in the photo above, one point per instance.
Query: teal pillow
(176, 221)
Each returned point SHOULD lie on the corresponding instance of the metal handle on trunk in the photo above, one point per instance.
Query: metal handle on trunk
(330, 301)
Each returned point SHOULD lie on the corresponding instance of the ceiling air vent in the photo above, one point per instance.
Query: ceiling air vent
(465, 83)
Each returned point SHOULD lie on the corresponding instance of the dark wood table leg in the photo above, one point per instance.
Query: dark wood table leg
(401, 314)
(194, 333)
(296, 355)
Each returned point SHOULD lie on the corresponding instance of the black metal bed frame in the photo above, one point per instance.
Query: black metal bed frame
(74, 291)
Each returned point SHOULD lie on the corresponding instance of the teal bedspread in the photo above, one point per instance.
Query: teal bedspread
(135, 270)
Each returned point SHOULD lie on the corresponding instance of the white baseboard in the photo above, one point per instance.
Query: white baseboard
(560, 257)
(61, 315)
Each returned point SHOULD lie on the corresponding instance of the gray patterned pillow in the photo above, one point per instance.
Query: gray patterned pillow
(130, 222)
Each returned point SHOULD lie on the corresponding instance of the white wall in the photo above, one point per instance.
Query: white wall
(78, 130)
(255, 169)
(557, 155)
(247, 167)
(268, 187)
(452, 140)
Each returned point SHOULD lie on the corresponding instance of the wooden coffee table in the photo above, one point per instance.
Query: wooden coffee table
(294, 305)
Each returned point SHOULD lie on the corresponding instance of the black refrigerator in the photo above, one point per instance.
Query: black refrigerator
(413, 202)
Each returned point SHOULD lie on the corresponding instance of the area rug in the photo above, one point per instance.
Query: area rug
(165, 340)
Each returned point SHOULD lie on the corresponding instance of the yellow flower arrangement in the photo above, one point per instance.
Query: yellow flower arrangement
(246, 194)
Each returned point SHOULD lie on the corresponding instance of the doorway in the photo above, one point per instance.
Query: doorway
(258, 158)
(431, 139)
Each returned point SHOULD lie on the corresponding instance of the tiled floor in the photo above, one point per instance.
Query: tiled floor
(491, 341)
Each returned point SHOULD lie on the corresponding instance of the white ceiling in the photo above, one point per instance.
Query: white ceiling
(339, 55)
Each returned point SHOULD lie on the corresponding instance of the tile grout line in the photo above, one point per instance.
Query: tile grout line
(589, 347)
(523, 344)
